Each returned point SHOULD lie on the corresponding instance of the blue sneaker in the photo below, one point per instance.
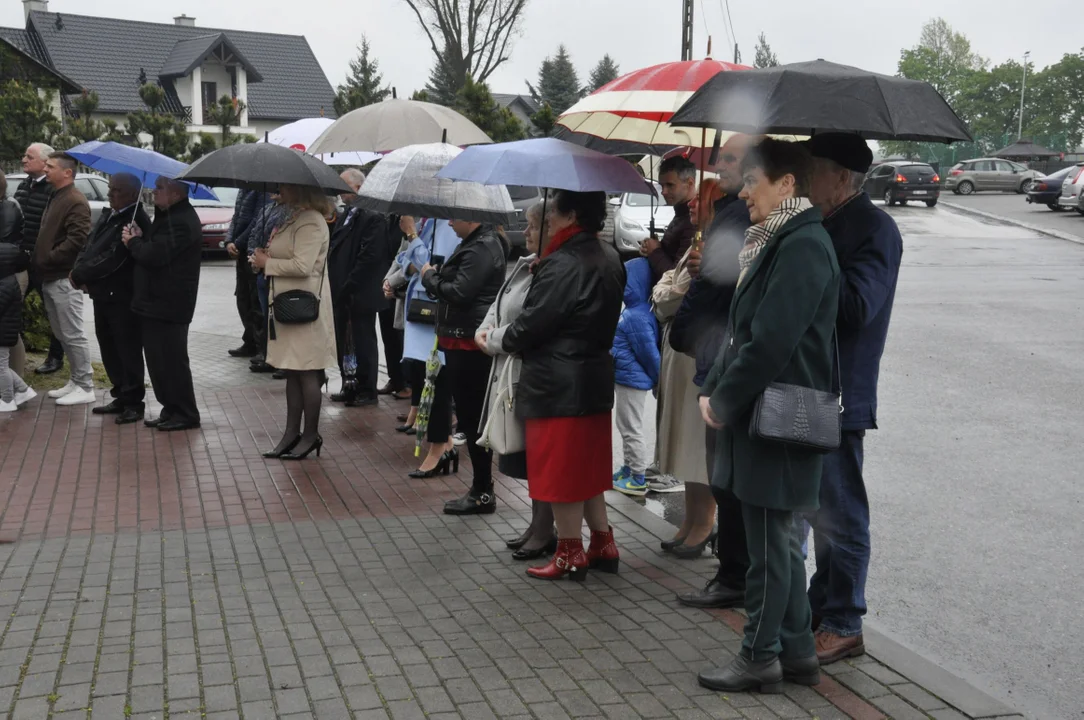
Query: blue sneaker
(633, 485)
(623, 474)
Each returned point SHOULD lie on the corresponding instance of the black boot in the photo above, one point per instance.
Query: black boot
(473, 503)
(714, 595)
(742, 674)
(802, 671)
(51, 365)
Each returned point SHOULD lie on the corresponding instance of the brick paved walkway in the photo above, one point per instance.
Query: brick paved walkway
(182, 575)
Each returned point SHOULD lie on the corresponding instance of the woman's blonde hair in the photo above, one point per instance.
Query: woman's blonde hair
(302, 197)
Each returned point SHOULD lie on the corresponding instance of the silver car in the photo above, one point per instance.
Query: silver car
(1072, 190)
(94, 187)
(989, 174)
(632, 219)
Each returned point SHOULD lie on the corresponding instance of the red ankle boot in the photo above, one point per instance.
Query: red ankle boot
(569, 560)
(602, 553)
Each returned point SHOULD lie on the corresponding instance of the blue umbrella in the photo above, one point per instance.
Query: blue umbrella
(112, 158)
(546, 163)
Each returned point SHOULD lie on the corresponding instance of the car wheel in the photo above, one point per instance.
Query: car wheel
(889, 200)
(1025, 186)
(903, 202)
(1079, 210)
(931, 203)
(965, 188)
(1054, 206)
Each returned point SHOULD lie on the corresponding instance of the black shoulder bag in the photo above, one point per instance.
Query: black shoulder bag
(801, 417)
(294, 307)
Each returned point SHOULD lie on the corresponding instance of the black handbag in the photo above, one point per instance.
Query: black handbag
(420, 310)
(800, 417)
(294, 307)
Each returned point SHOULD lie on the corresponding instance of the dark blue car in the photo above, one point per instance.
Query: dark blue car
(1045, 190)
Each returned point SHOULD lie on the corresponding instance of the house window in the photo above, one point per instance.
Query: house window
(209, 92)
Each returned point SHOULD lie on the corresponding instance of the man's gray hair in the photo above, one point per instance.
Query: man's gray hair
(353, 176)
(43, 151)
(126, 182)
(858, 180)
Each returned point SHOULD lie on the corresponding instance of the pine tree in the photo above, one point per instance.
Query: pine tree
(558, 83)
(544, 120)
(476, 103)
(25, 116)
(169, 135)
(363, 86)
(227, 114)
(764, 57)
(606, 71)
(442, 87)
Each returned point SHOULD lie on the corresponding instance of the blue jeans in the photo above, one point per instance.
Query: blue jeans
(837, 591)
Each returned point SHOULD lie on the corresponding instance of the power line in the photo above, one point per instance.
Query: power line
(730, 37)
(733, 32)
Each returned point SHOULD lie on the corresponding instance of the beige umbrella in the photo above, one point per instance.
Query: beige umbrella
(393, 124)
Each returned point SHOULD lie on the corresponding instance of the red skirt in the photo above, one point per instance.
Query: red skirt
(569, 459)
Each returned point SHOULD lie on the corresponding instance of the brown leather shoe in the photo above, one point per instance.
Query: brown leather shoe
(833, 648)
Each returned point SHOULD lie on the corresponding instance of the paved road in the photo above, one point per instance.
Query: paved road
(1016, 207)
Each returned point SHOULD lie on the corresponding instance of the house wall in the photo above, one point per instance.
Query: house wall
(218, 74)
(183, 85)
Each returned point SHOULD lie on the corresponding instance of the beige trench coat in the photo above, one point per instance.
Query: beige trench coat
(298, 261)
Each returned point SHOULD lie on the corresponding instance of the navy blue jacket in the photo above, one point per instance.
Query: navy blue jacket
(699, 327)
(636, 342)
(869, 249)
(245, 211)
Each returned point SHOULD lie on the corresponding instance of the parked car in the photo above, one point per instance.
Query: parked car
(94, 187)
(1047, 190)
(215, 216)
(522, 199)
(899, 182)
(1072, 190)
(632, 219)
(990, 174)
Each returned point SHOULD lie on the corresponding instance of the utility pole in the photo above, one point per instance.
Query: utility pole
(686, 29)
(1023, 84)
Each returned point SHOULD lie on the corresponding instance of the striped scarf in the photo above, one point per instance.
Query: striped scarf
(758, 236)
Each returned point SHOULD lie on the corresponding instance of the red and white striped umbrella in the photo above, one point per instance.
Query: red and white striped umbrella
(631, 114)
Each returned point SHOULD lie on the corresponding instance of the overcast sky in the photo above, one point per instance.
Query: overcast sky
(637, 33)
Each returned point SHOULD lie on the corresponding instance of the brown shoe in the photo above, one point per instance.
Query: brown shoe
(833, 648)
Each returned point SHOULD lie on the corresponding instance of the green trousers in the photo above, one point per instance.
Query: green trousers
(775, 588)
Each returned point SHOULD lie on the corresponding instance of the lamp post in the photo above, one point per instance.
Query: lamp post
(1023, 84)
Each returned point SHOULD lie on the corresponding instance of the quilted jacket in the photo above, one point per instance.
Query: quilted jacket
(636, 342)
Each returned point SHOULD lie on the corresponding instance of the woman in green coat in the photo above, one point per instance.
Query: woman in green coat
(781, 325)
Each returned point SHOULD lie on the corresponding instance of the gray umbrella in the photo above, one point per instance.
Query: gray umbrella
(392, 124)
(405, 182)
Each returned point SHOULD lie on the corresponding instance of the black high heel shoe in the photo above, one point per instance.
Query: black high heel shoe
(669, 545)
(443, 467)
(520, 541)
(316, 445)
(275, 455)
(691, 552)
(547, 549)
(404, 428)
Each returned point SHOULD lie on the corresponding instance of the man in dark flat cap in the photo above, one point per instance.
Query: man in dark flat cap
(869, 248)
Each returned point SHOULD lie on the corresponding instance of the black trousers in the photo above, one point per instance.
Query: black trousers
(393, 348)
(120, 338)
(440, 414)
(415, 375)
(166, 347)
(248, 305)
(733, 549)
(469, 373)
(361, 324)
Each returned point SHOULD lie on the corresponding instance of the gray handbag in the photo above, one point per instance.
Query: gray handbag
(800, 417)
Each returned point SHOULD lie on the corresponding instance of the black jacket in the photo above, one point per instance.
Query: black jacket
(104, 266)
(468, 282)
(566, 330)
(32, 198)
(245, 211)
(675, 242)
(11, 297)
(869, 249)
(357, 259)
(11, 229)
(699, 327)
(167, 265)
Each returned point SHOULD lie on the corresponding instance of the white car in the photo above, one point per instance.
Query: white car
(94, 187)
(632, 219)
(1072, 190)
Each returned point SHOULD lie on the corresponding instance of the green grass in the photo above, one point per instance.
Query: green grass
(44, 383)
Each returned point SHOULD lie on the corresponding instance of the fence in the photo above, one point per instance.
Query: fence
(945, 156)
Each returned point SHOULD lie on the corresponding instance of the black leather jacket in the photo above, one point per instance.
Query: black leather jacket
(467, 283)
(566, 330)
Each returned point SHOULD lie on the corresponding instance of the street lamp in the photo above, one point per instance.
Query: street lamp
(1023, 84)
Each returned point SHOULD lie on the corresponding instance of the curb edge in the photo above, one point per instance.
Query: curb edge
(1009, 221)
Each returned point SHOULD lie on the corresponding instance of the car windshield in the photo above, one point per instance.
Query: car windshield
(1064, 172)
(227, 196)
(643, 199)
(523, 193)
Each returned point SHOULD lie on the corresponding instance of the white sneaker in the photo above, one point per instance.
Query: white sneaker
(61, 392)
(79, 396)
(8, 406)
(25, 396)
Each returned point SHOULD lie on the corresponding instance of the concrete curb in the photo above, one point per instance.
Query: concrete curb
(1009, 221)
(901, 659)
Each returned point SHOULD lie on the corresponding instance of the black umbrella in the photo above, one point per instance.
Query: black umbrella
(264, 167)
(819, 96)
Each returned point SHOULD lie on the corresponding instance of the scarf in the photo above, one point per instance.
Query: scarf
(758, 236)
(560, 238)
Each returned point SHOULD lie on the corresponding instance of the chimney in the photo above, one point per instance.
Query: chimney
(30, 6)
(184, 20)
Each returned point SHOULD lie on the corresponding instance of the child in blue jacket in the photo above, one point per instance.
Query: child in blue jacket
(636, 373)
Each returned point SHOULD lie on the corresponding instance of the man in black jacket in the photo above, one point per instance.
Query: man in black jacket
(33, 195)
(356, 267)
(165, 286)
(245, 211)
(105, 270)
(677, 176)
(698, 329)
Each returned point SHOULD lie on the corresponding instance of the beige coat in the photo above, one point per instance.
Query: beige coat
(298, 261)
